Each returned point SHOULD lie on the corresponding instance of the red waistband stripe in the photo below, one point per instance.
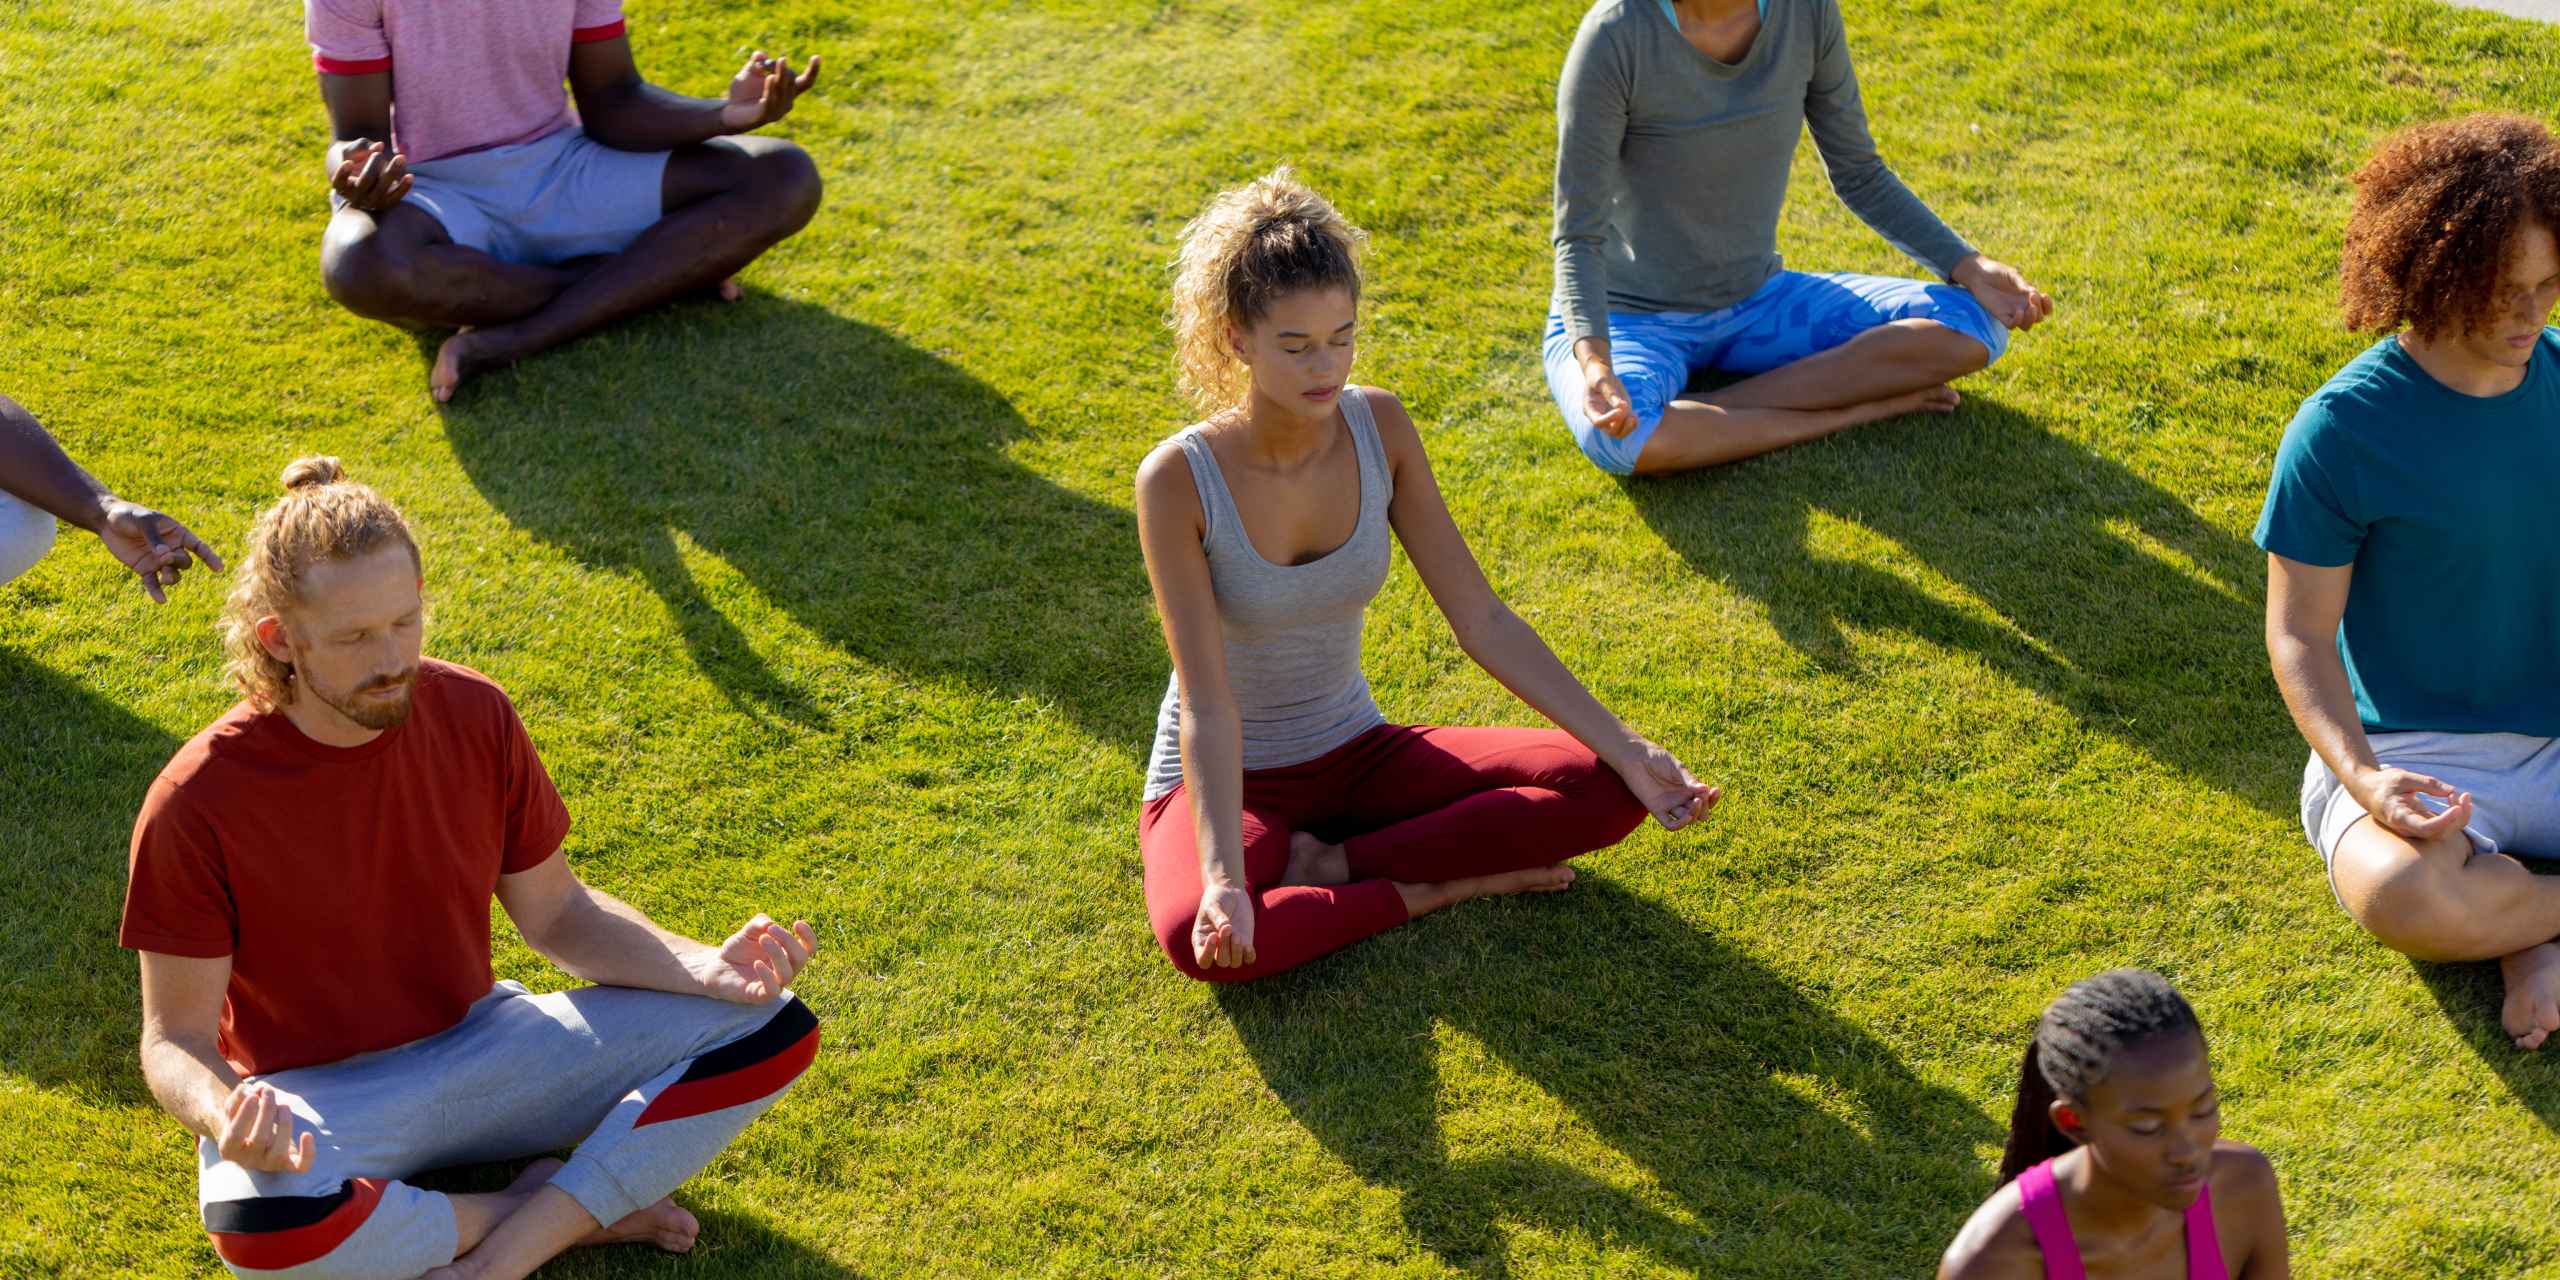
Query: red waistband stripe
(589, 35)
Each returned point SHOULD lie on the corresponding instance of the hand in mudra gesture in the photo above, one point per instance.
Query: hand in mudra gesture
(1222, 933)
(156, 547)
(1664, 786)
(2394, 798)
(756, 962)
(763, 91)
(258, 1133)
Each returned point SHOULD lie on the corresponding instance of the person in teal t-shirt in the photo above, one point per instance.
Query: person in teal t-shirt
(2413, 572)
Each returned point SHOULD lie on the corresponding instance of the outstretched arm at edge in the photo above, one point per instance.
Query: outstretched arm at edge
(34, 467)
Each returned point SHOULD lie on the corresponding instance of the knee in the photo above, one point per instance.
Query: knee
(315, 1235)
(364, 275)
(788, 188)
(2409, 905)
(1580, 774)
(1944, 351)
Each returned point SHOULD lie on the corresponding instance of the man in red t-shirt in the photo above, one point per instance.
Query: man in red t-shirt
(310, 897)
(468, 196)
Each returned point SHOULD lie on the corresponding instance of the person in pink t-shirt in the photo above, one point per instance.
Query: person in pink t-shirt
(469, 195)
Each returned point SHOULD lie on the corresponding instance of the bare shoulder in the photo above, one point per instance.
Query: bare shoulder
(2242, 1175)
(1393, 420)
(2248, 1209)
(1397, 435)
(1164, 479)
(1996, 1243)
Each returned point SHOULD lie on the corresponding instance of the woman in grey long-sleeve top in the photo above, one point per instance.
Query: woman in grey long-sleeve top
(1676, 124)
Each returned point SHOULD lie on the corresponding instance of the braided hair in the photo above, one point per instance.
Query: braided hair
(2075, 1046)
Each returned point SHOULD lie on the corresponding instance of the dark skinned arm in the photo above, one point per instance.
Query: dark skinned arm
(620, 109)
(363, 170)
(36, 469)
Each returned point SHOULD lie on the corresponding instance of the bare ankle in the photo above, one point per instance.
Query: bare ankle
(1422, 899)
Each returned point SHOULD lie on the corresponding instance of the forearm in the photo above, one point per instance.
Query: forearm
(1891, 210)
(190, 1080)
(602, 939)
(1511, 651)
(1582, 290)
(1213, 771)
(2314, 681)
(639, 116)
(34, 468)
(1592, 355)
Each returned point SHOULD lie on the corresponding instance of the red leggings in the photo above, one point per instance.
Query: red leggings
(1406, 803)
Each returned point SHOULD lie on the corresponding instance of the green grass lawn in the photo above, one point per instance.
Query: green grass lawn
(830, 603)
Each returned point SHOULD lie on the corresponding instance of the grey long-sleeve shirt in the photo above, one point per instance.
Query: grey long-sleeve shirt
(1671, 167)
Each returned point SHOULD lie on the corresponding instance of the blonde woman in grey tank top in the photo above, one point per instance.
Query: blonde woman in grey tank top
(1283, 815)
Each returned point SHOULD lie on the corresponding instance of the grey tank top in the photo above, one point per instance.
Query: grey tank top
(1292, 631)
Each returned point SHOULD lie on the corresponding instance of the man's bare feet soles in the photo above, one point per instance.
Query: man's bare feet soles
(664, 1224)
(730, 290)
(454, 362)
(1312, 861)
(2533, 994)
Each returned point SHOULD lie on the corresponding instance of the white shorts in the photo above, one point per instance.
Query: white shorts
(2513, 778)
(26, 533)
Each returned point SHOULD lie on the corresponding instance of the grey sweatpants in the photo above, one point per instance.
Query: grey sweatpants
(646, 1085)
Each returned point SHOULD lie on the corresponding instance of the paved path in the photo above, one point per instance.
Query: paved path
(2547, 10)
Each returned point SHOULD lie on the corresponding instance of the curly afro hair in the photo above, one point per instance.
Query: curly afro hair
(2436, 213)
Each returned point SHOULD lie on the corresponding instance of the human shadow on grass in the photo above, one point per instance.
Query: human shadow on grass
(2473, 998)
(1772, 1137)
(73, 770)
(856, 482)
(2163, 656)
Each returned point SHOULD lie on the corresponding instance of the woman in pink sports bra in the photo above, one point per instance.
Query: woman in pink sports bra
(2114, 1170)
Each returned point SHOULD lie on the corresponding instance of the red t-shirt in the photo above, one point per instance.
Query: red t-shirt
(349, 885)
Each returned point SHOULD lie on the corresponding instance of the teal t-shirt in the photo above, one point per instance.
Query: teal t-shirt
(2445, 505)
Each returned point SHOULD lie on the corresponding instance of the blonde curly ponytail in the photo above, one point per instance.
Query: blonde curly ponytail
(1254, 244)
(322, 516)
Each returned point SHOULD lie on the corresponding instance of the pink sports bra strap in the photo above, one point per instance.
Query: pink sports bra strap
(2204, 1244)
(2043, 1204)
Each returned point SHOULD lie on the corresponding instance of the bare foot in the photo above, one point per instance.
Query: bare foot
(664, 1224)
(1312, 861)
(2533, 994)
(454, 362)
(1937, 399)
(1423, 899)
(730, 291)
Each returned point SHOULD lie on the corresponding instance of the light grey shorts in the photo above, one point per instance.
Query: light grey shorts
(2513, 778)
(549, 200)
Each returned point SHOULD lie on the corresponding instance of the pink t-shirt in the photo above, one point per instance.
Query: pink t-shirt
(466, 75)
